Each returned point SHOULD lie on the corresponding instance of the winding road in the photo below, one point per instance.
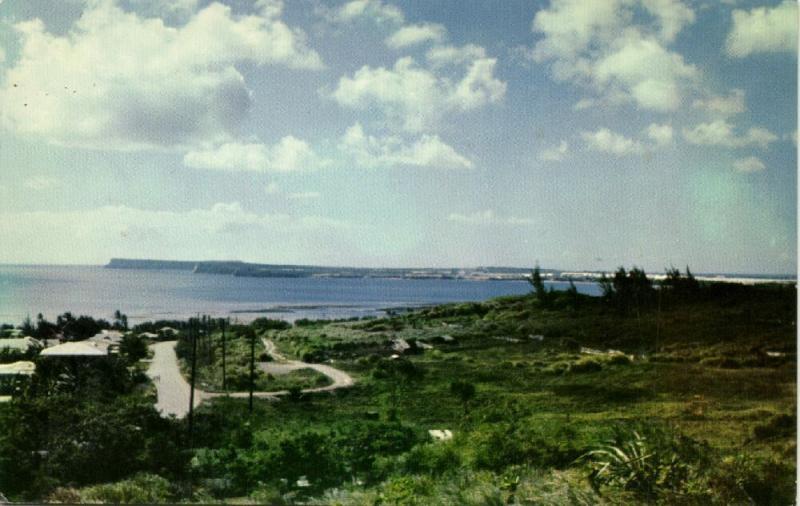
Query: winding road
(173, 390)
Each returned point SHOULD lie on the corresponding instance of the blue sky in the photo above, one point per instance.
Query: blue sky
(582, 135)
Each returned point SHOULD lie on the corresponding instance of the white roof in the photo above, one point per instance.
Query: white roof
(114, 336)
(441, 434)
(77, 349)
(21, 367)
(19, 343)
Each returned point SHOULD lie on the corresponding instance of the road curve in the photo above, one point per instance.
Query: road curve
(173, 390)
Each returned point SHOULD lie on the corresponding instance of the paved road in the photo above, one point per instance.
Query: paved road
(173, 389)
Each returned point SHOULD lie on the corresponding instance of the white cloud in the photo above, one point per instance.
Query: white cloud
(440, 56)
(606, 141)
(225, 230)
(749, 165)
(660, 134)
(647, 71)
(763, 30)
(386, 152)
(304, 195)
(414, 98)
(723, 106)
(118, 81)
(721, 133)
(672, 16)
(555, 153)
(357, 9)
(39, 183)
(411, 35)
(488, 217)
(288, 155)
(618, 48)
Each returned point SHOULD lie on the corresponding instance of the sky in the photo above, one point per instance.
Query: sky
(575, 134)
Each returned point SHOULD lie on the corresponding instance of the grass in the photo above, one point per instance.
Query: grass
(696, 369)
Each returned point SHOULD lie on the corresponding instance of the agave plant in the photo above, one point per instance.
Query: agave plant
(647, 467)
(626, 465)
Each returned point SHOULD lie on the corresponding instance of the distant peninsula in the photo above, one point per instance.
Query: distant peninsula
(245, 269)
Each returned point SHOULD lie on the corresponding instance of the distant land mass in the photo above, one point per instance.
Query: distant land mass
(247, 269)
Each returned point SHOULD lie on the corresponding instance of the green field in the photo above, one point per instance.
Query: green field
(668, 397)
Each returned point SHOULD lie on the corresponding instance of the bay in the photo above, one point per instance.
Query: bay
(160, 294)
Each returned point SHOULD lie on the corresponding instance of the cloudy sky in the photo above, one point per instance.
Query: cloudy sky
(376, 133)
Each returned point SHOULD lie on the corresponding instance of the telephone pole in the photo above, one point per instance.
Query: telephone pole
(224, 378)
(252, 366)
(193, 337)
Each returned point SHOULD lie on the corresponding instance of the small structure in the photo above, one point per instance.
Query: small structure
(20, 368)
(167, 332)
(149, 335)
(78, 349)
(19, 344)
(440, 434)
(108, 336)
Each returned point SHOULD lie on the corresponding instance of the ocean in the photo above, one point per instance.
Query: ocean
(162, 294)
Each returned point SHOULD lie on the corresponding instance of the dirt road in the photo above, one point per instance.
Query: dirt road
(173, 389)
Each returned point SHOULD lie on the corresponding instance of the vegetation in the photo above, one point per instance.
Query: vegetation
(673, 393)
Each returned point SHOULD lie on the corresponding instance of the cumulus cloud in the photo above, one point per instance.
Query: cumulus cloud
(722, 133)
(390, 151)
(618, 48)
(749, 165)
(224, 230)
(488, 217)
(606, 141)
(660, 134)
(440, 56)
(411, 35)
(359, 9)
(722, 105)
(116, 80)
(763, 30)
(414, 98)
(555, 153)
(288, 155)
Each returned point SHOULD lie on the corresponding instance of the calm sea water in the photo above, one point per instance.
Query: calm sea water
(148, 295)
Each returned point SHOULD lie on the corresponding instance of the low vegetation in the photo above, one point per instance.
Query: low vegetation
(682, 393)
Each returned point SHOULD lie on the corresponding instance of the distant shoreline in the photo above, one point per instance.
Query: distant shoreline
(246, 269)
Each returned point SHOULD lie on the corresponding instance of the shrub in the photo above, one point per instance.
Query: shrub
(585, 365)
(141, 489)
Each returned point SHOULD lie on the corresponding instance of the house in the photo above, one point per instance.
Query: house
(108, 336)
(86, 348)
(20, 368)
(19, 344)
(148, 335)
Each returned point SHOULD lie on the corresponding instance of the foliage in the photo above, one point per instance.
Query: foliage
(649, 465)
(142, 488)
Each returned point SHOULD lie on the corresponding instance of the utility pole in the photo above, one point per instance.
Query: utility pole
(252, 366)
(224, 378)
(193, 337)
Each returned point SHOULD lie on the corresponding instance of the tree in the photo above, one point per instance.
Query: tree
(133, 348)
(464, 391)
(539, 289)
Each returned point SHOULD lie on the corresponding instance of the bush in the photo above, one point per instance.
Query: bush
(431, 458)
(778, 426)
(141, 489)
(585, 365)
